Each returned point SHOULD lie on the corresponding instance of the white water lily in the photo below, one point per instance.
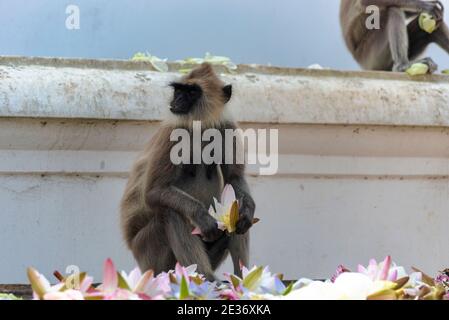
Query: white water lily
(226, 212)
(348, 286)
(144, 283)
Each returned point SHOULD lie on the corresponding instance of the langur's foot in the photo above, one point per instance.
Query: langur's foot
(427, 61)
(211, 277)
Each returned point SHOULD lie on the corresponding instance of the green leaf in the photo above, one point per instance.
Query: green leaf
(252, 278)
(184, 289)
(445, 71)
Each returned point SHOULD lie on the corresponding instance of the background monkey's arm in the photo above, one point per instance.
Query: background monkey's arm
(186, 205)
(408, 5)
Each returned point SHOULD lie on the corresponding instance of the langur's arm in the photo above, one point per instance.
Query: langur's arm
(407, 5)
(186, 205)
(179, 201)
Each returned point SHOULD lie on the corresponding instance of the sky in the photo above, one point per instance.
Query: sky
(289, 33)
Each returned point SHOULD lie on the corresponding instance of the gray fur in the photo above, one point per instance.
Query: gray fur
(163, 202)
(400, 41)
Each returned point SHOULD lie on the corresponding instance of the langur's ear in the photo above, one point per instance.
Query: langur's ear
(227, 92)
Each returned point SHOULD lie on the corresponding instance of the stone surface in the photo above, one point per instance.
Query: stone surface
(364, 164)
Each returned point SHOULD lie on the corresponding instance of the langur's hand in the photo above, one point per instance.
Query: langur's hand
(435, 8)
(210, 231)
(246, 218)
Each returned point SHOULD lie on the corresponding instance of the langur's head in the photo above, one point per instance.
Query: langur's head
(200, 95)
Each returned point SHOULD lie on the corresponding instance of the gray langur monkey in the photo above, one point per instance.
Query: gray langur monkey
(400, 41)
(163, 202)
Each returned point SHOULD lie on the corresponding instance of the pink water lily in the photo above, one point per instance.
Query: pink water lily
(111, 289)
(146, 285)
(64, 295)
(382, 280)
(186, 272)
(386, 270)
(110, 277)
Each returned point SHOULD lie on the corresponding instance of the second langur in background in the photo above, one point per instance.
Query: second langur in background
(400, 41)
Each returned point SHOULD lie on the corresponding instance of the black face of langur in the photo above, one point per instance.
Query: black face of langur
(188, 98)
(185, 97)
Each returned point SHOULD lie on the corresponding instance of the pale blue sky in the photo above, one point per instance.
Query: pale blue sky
(293, 33)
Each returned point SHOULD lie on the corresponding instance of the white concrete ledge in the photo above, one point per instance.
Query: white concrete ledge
(117, 164)
(123, 90)
(374, 182)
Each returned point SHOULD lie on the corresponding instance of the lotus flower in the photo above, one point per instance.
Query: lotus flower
(191, 289)
(226, 212)
(348, 286)
(186, 283)
(42, 290)
(377, 281)
(341, 269)
(114, 287)
(256, 284)
(386, 270)
(443, 279)
(145, 285)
